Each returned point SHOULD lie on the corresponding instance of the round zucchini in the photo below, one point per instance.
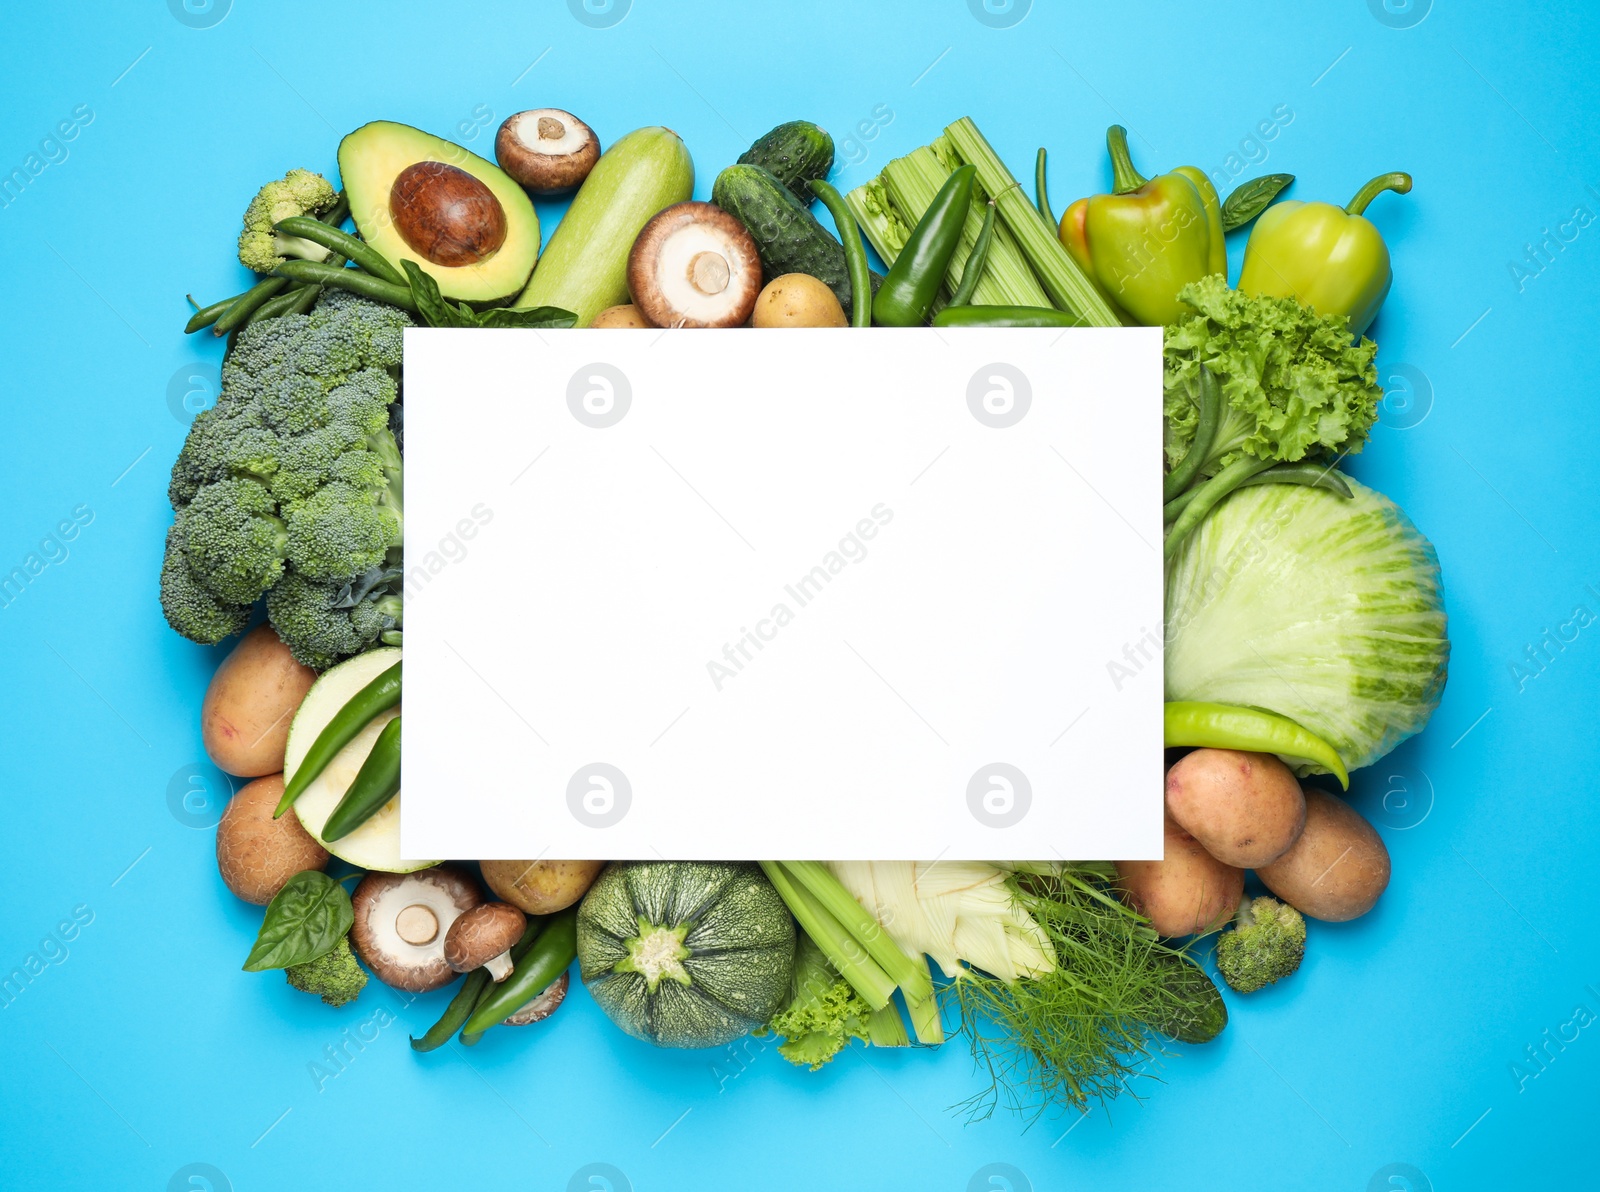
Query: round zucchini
(686, 953)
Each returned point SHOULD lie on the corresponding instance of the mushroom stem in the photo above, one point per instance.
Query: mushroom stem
(551, 129)
(499, 966)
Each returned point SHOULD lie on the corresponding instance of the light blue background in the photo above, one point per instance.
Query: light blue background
(145, 1049)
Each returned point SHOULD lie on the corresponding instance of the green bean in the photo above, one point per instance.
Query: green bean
(1205, 434)
(359, 251)
(204, 316)
(855, 254)
(1206, 496)
(1321, 476)
(976, 260)
(1041, 193)
(355, 280)
(246, 304)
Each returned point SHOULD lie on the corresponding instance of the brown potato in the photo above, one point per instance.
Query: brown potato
(797, 300)
(244, 721)
(1187, 891)
(540, 887)
(1245, 808)
(1338, 867)
(626, 315)
(257, 854)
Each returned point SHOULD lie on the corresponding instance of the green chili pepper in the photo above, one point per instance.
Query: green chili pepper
(972, 274)
(377, 696)
(1205, 433)
(914, 281)
(1006, 316)
(855, 253)
(1223, 726)
(467, 997)
(1323, 476)
(375, 784)
(555, 949)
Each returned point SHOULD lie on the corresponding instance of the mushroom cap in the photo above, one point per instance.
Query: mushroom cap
(257, 854)
(694, 265)
(481, 934)
(543, 1005)
(547, 150)
(402, 920)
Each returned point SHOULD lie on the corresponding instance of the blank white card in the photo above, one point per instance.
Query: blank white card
(783, 594)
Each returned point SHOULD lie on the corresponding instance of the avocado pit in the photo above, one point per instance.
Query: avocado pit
(445, 215)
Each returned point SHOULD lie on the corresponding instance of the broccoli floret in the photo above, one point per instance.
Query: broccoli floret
(334, 975)
(294, 481)
(300, 192)
(189, 606)
(324, 622)
(823, 1014)
(1267, 943)
(233, 537)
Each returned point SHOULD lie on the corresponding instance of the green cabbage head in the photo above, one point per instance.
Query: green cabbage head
(1325, 610)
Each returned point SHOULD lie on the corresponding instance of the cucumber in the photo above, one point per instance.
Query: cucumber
(796, 153)
(788, 237)
(584, 268)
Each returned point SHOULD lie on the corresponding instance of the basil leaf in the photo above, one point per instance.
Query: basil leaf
(304, 919)
(1251, 198)
(431, 306)
(537, 316)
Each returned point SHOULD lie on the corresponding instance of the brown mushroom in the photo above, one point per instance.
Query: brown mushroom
(694, 265)
(543, 1005)
(482, 938)
(257, 854)
(402, 920)
(547, 150)
(445, 215)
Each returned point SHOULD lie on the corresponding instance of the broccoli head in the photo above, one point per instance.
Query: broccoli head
(823, 1014)
(1267, 943)
(299, 192)
(294, 479)
(334, 975)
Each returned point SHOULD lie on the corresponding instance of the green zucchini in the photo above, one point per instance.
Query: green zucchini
(584, 268)
(788, 237)
(795, 153)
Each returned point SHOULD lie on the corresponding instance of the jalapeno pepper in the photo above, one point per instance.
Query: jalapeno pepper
(375, 784)
(907, 293)
(377, 696)
(1224, 726)
(1006, 316)
(552, 952)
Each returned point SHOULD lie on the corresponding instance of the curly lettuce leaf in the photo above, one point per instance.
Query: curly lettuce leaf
(1325, 610)
(823, 1015)
(1293, 382)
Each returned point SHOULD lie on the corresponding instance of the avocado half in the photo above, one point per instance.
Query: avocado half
(463, 220)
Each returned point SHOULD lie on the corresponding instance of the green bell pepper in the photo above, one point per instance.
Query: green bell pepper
(1331, 259)
(1149, 238)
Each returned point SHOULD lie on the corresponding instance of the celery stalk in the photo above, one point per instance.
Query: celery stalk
(885, 1028)
(890, 205)
(843, 951)
(910, 975)
(925, 1019)
(1060, 275)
